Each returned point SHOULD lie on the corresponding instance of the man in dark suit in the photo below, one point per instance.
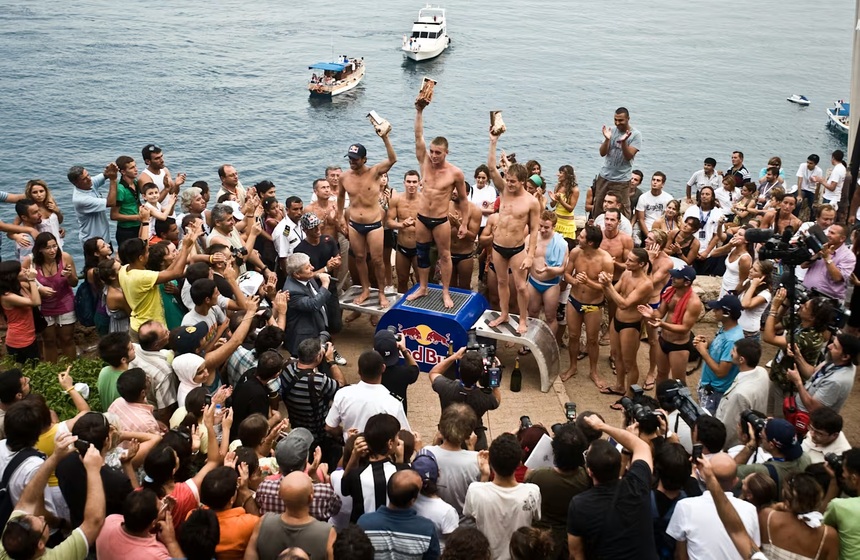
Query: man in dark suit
(310, 297)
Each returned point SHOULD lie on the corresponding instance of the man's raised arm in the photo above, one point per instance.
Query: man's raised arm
(420, 146)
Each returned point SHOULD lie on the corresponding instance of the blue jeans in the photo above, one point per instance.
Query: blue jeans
(709, 399)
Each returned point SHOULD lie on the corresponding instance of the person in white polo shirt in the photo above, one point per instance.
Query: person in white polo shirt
(354, 405)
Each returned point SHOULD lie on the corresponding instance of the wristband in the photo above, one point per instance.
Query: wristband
(70, 389)
(210, 258)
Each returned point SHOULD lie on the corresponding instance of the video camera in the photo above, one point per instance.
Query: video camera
(779, 246)
(680, 398)
(751, 418)
(802, 294)
(639, 409)
(492, 375)
(834, 461)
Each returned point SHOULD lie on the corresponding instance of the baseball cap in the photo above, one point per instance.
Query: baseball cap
(686, 272)
(309, 220)
(186, 340)
(150, 149)
(782, 435)
(385, 344)
(426, 466)
(356, 151)
(292, 451)
(237, 212)
(727, 304)
(250, 282)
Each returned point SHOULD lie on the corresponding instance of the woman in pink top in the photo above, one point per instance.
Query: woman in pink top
(19, 294)
(55, 271)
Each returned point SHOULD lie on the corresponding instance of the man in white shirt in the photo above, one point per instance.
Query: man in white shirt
(805, 179)
(833, 184)
(611, 201)
(709, 216)
(651, 205)
(354, 405)
(287, 234)
(705, 177)
(748, 391)
(696, 526)
(727, 194)
(825, 435)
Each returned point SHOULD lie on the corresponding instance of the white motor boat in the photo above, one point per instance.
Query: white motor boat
(335, 77)
(799, 99)
(838, 116)
(429, 35)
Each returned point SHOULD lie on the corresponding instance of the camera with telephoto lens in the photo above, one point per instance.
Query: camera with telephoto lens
(640, 409)
(680, 398)
(492, 370)
(525, 422)
(834, 461)
(750, 418)
(779, 247)
(802, 294)
(393, 330)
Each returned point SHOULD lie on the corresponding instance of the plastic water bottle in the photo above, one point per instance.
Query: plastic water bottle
(219, 413)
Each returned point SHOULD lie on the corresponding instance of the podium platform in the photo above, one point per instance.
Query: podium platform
(430, 328)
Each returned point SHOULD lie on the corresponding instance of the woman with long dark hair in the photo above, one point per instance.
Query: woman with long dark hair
(755, 295)
(738, 262)
(56, 274)
(117, 308)
(564, 201)
(161, 256)
(19, 294)
(96, 250)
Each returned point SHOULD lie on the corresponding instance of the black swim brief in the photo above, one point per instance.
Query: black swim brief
(620, 326)
(508, 252)
(364, 229)
(408, 252)
(457, 258)
(669, 347)
(431, 223)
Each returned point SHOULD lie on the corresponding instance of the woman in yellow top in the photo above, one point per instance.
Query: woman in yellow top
(564, 201)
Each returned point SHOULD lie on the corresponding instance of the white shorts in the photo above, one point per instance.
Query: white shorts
(61, 320)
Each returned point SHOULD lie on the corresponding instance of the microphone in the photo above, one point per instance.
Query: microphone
(787, 234)
(758, 235)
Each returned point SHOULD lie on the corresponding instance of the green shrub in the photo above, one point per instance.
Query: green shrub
(43, 380)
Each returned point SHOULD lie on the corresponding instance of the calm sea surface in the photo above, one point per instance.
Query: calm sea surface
(224, 82)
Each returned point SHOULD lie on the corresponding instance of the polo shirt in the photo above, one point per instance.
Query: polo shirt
(818, 277)
(114, 542)
(106, 385)
(128, 204)
(92, 210)
(134, 417)
(236, 527)
(352, 406)
(400, 533)
(720, 350)
(145, 301)
(830, 385)
(699, 180)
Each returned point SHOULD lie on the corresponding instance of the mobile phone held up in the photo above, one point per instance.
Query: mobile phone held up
(495, 377)
(697, 453)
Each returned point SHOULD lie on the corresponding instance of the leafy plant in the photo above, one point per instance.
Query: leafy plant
(43, 380)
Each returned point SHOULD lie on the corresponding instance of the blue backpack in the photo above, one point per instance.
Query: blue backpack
(85, 304)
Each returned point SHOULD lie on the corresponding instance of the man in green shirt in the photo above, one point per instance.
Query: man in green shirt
(780, 439)
(126, 212)
(843, 514)
(118, 351)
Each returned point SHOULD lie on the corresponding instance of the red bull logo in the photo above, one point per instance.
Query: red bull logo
(431, 346)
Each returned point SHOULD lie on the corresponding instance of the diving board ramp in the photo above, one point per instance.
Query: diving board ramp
(432, 331)
(539, 338)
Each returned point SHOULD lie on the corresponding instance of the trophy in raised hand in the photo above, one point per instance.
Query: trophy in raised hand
(497, 125)
(425, 96)
(380, 125)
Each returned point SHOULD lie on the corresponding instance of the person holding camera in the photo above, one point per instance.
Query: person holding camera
(825, 435)
(749, 390)
(807, 334)
(829, 270)
(718, 368)
(466, 389)
(675, 422)
(397, 377)
(779, 438)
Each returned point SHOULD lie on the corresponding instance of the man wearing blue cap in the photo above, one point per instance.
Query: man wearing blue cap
(718, 369)
(677, 313)
(361, 183)
(780, 439)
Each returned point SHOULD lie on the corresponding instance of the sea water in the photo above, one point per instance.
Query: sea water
(225, 82)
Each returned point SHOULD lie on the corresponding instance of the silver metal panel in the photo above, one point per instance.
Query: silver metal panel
(539, 338)
(433, 302)
(371, 304)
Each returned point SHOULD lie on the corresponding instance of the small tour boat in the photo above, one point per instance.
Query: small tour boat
(335, 77)
(799, 99)
(838, 116)
(429, 35)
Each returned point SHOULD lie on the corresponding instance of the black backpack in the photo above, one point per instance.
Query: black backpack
(6, 505)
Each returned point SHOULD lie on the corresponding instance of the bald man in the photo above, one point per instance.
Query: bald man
(396, 530)
(293, 528)
(702, 535)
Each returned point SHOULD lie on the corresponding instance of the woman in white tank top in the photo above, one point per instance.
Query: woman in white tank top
(738, 262)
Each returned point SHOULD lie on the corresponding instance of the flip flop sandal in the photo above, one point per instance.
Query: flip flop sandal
(582, 355)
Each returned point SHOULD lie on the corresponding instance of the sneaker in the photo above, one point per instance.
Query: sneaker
(338, 359)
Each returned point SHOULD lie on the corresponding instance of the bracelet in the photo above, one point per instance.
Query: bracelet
(210, 258)
(70, 389)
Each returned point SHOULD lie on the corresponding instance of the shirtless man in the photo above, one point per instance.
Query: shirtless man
(585, 303)
(661, 266)
(518, 211)
(401, 216)
(324, 207)
(783, 218)
(618, 244)
(440, 178)
(679, 310)
(547, 270)
(628, 293)
(463, 248)
(365, 214)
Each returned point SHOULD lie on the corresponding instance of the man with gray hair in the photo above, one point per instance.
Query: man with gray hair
(89, 202)
(307, 314)
(224, 231)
